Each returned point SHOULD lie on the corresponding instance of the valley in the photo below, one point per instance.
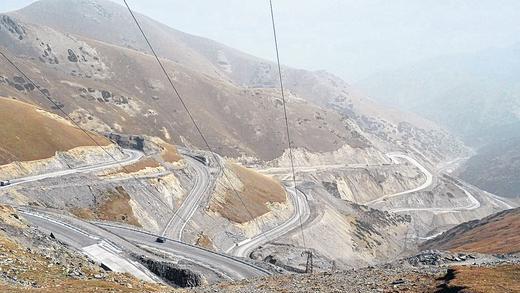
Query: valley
(98, 158)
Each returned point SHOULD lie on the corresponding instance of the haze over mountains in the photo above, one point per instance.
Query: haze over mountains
(476, 96)
(371, 182)
(233, 95)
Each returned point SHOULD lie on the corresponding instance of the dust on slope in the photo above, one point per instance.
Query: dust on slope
(28, 133)
(497, 233)
(256, 193)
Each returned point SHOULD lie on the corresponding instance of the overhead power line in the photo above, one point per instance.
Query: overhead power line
(284, 101)
(198, 129)
(86, 132)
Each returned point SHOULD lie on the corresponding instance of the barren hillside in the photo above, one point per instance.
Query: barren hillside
(256, 193)
(27, 133)
(496, 167)
(107, 79)
(498, 233)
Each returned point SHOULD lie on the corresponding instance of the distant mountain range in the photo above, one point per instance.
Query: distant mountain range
(477, 97)
(496, 168)
(91, 58)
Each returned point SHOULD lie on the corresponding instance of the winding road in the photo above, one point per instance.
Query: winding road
(473, 204)
(132, 156)
(184, 213)
(95, 246)
(108, 244)
(100, 247)
(301, 208)
(447, 167)
(230, 267)
(427, 183)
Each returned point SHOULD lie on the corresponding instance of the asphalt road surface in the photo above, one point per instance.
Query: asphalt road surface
(175, 226)
(230, 267)
(97, 248)
(132, 156)
(301, 209)
(427, 183)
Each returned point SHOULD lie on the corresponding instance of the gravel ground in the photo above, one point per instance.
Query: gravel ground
(425, 272)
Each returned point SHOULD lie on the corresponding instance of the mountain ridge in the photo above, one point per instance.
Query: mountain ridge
(221, 66)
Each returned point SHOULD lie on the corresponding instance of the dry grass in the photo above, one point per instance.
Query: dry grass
(141, 165)
(116, 207)
(499, 233)
(504, 278)
(27, 134)
(85, 286)
(170, 153)
(203, 240)
(18, 262)
(84, 213)
(258, 190)
(9, 216)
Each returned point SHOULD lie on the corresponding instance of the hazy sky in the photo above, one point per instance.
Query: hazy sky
(352, 38)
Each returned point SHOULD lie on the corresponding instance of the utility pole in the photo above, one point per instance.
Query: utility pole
(309, 264)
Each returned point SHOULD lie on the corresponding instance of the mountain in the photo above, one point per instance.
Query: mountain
(367, 190)
(475, 95)
(36, 262)
(497, 233)
(96, 63)
(495, 168)
(50, 133)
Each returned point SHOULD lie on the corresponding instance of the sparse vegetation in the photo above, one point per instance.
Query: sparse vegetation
(31, 262)
(115, 207)
(502, 278)
(203, 240)
(498, 233)
(27, 133)
(257, 192)
(170, 153)
(141, 165)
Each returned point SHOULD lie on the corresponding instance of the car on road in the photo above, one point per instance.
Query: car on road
(5, 183)
(160, 239)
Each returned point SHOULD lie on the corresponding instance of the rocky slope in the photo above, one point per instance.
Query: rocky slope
(426, 272)
(34, 262)
(495, 167)
(241, 204)
(340, 233)
(89, 57)
(144, 194)
(474, 95)
(82, 46)
(497, 233)
(35, 141)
